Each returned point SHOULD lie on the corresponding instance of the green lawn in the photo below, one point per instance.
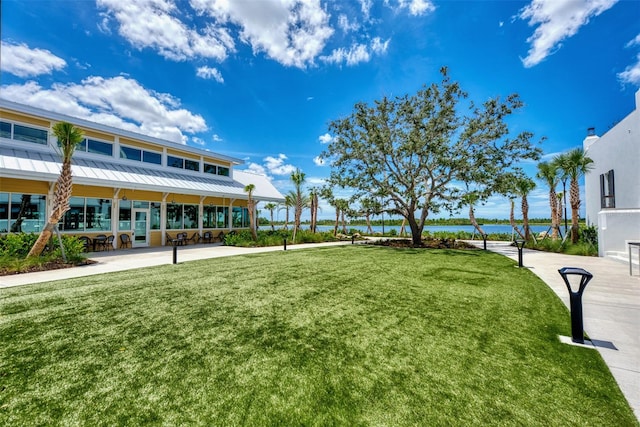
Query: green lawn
(347, 335)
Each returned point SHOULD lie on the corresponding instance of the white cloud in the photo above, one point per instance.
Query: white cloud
(631, 74)
(197, 141)
(156, 24)
(216, 138)
(257, 169)
(415, 7)
(22, 61)
(345, 25)
(556, 21)
(319, 161)
(209, 73)
(120, 102)
(357, 53)
(325, 139)
(277, 165)
(292, 32)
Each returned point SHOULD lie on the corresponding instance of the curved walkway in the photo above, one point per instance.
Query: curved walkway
(611, 301)
(610, 307)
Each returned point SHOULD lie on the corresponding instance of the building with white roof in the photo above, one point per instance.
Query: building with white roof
(612, 187)
(124, 183)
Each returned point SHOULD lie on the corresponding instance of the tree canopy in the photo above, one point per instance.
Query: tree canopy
(416, 152)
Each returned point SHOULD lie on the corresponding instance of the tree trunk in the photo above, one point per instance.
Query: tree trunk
(575, 208)
(43, 239)
(512, 219)
(416, 229)
(344, 224)
(335, 227)
(525, 218)
(367, 217)
(272, 227)
(314, 212)
(472, 218)
(554, 215)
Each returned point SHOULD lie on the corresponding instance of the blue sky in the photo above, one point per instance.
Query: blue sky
(261, 79)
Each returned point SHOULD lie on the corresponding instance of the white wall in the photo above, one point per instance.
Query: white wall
(618, 149)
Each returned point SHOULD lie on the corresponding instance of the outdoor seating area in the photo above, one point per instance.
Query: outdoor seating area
(101, 242)
(183, 239)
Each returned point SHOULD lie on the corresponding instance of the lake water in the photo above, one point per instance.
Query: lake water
(488, 228)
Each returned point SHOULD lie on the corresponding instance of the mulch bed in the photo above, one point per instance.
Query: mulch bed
(53, 265)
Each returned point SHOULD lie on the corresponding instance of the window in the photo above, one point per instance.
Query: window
(190, 216)
(130, 153)
(137, 154)
(23, 133)
(174, 216)
(151, 157)
(240, 217)
(124, 217)
(175, 162)
(87, 214)
(223, 171)
(607, 190)
(191, 165)
(24, 213)
(154, 212)
(215, 217)
(5, 130)
(212, 169)
(96, 147)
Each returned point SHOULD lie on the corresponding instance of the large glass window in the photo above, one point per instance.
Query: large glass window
(154, 220)
(240, 217)
(29, 134)
(190, 216)
(209, 168)
(174, 216)
(124, 217)
(215, 217)
(223, 171)
(96, 147)
(87, 215)
(22, 212)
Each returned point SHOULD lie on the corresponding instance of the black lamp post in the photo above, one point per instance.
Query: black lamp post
(564, 196)
(520, 245)
(575, 300)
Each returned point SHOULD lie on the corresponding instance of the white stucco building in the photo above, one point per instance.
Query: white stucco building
(612, 187)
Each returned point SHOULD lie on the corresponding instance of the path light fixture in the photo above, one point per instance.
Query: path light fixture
(575, 299)
(484, 241)
(520, 245)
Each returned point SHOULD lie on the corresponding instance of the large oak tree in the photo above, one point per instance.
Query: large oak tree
(417, 151)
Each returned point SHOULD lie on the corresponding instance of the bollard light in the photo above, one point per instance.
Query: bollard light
(353, 239)
(175, 253)
(575, 299)
(484, 241)
(285, 243)
(520, 245)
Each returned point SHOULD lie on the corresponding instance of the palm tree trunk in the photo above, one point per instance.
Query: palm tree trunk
(553, 204)
(367, 217)
(512, 219)
(335, 227)
(525, 218)
(575, 208)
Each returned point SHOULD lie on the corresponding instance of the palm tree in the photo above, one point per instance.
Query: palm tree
(313, 196)
(342, 208)
(471, 198)
(271, 207)
(368, 207)
(574, 164)
(524, 186)
(549, 174)
(289, 202)
(301, 201)
(69, 137)
(251, 207)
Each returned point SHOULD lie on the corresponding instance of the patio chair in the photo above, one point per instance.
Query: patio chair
(99, 242)
(108, 244)
(219, 237)
(183, 238)
(173, 241)
(125, 241)
(207, 237)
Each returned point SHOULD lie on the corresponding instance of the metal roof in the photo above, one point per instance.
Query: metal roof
(40, 165)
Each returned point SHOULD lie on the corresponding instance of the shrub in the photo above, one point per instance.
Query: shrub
(14, 248)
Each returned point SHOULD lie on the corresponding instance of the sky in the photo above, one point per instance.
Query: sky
(260, 80)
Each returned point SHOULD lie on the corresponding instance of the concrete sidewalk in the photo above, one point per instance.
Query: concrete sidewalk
(610, 304)
(611, 301)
